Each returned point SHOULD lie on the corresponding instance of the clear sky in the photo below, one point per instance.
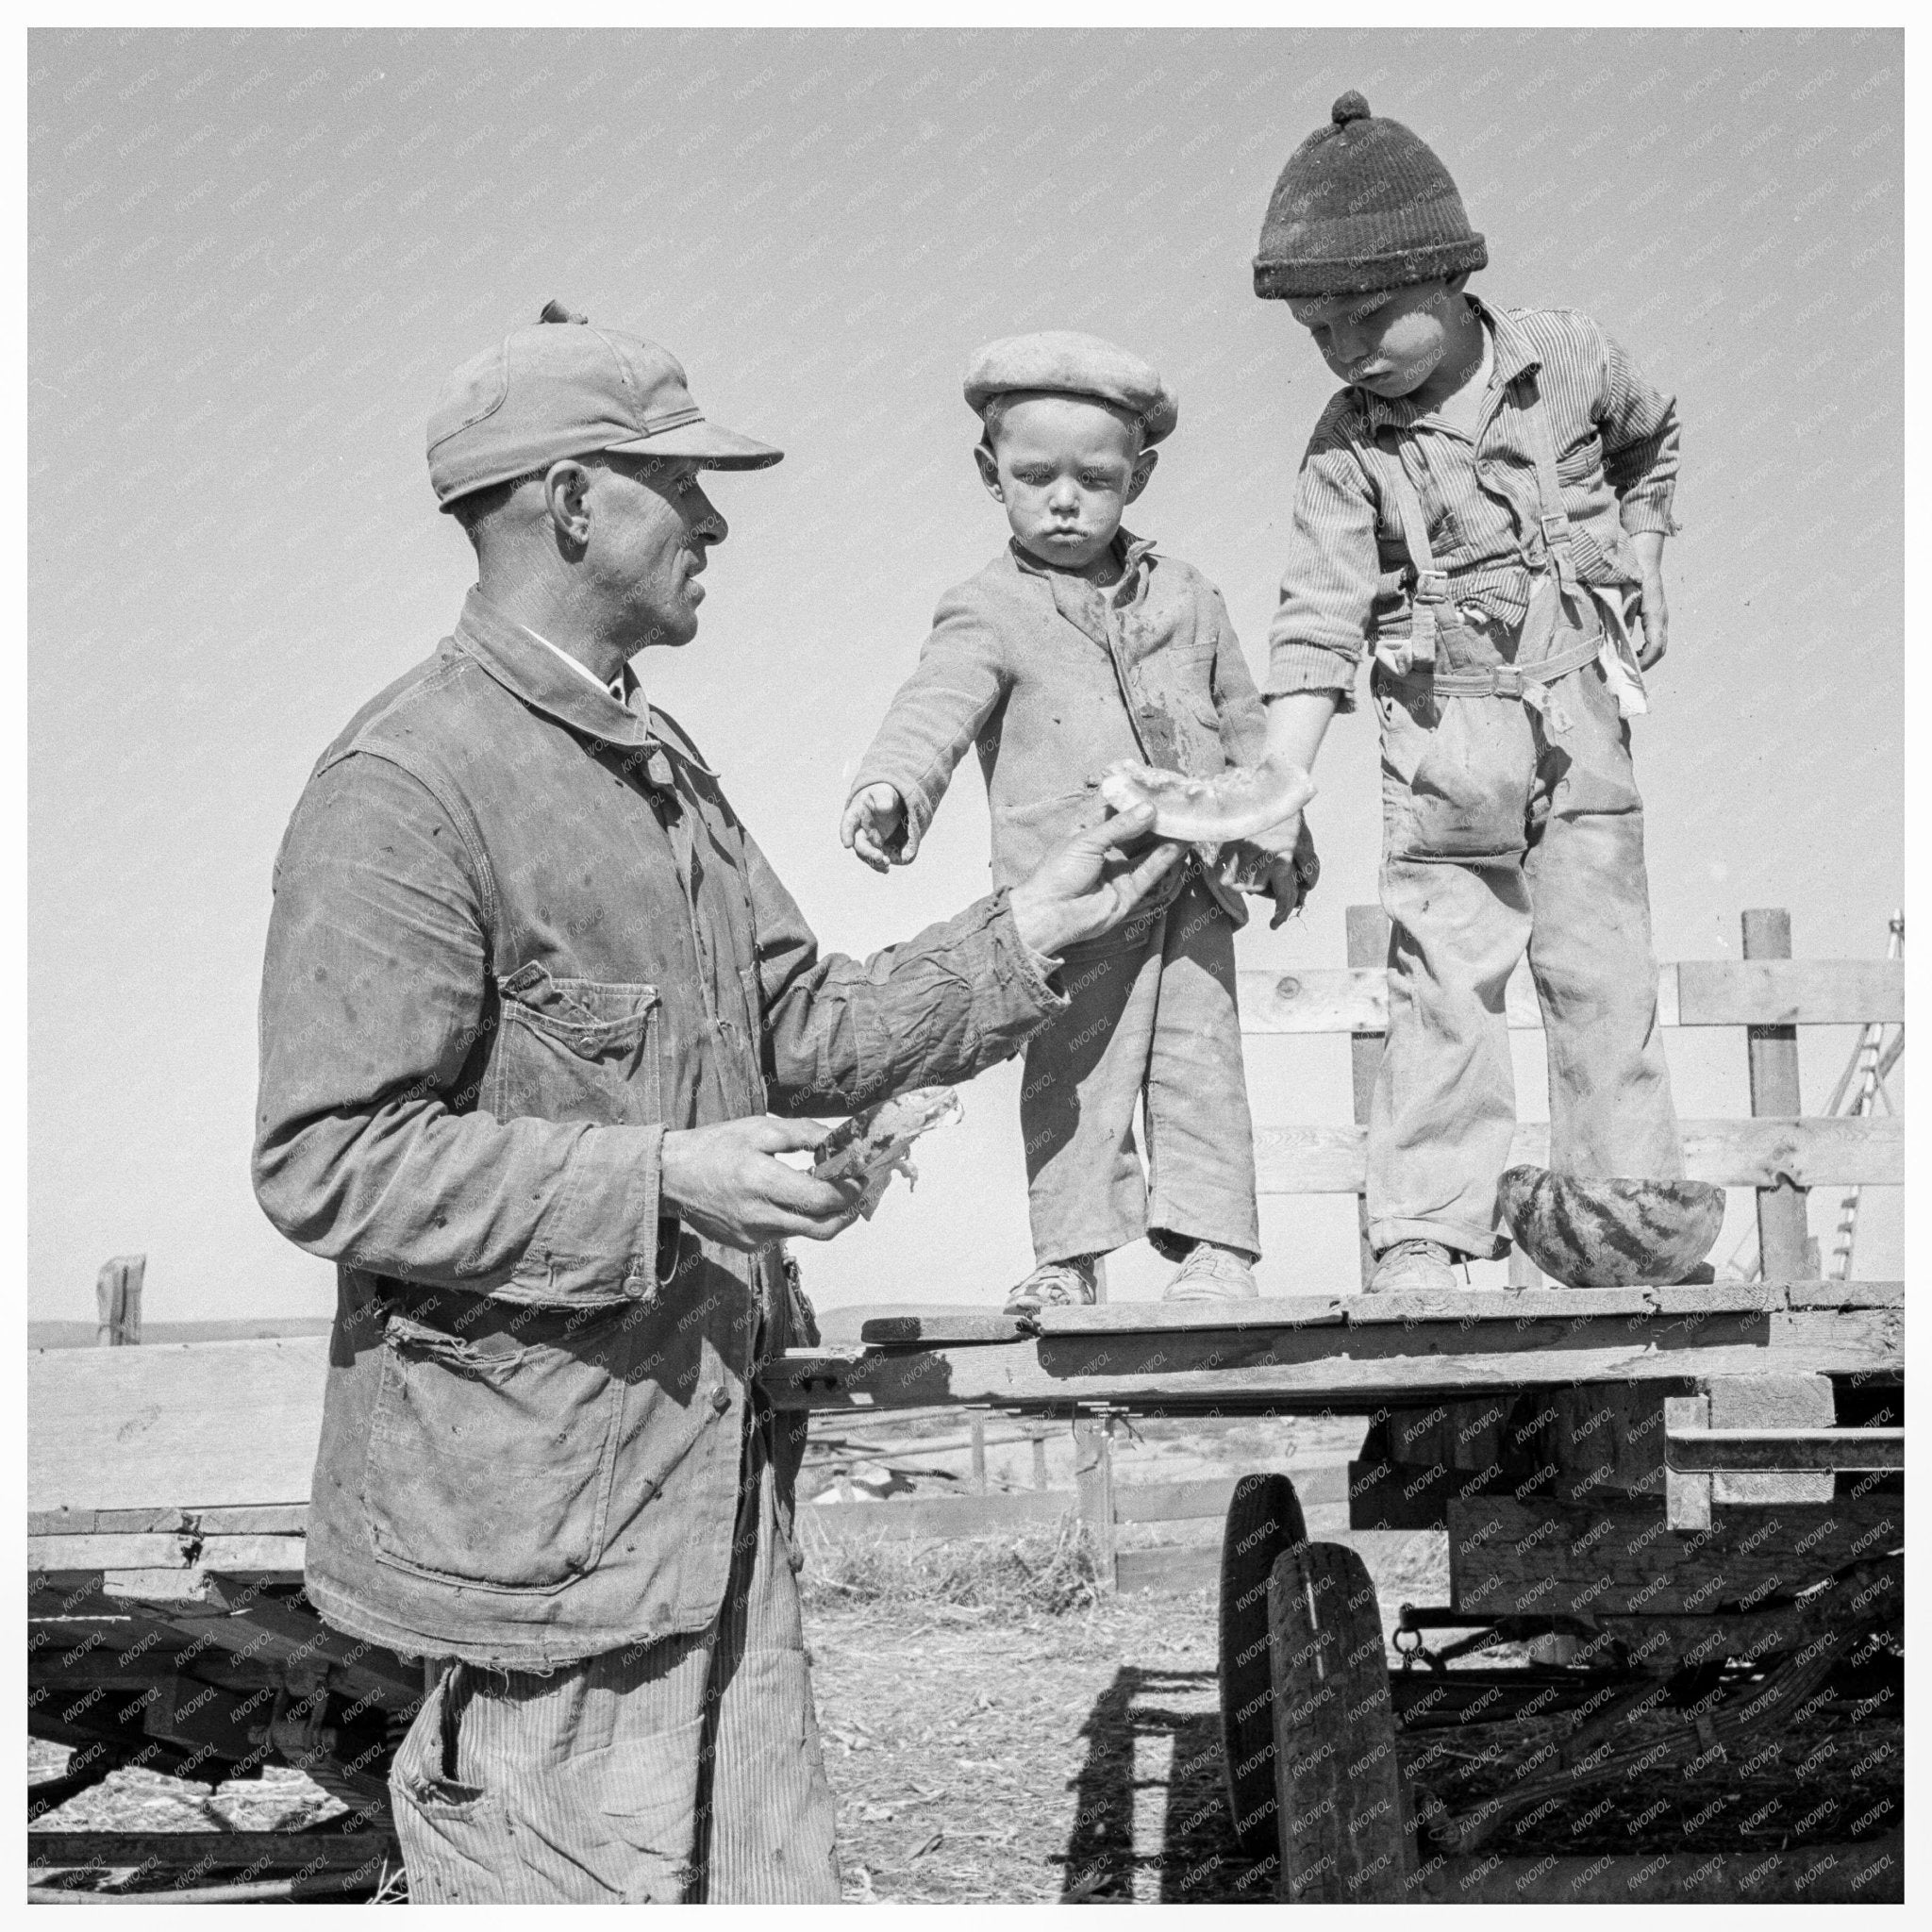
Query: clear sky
(255, 255)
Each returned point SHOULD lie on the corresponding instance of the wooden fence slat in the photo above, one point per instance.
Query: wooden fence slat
(1187, 1566)
(1783, 1246)
(1764, 1152)
(904, 1518)
(187, 1851)
(1691, 992)
(1790, 993)
(181, 1425)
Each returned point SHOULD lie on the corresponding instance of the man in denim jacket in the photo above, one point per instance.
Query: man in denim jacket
(530, 992)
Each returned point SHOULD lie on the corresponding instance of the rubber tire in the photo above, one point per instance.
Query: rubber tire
(1264, 1519)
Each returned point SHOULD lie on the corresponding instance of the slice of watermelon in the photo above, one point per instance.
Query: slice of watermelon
(1234, 803)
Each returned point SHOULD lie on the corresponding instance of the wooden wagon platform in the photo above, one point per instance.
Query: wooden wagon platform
(1687, 1502)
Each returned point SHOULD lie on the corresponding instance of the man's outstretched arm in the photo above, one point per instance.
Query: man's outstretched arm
(842, 1033)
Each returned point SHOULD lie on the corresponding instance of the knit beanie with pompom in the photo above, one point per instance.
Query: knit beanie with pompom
(1363, 204)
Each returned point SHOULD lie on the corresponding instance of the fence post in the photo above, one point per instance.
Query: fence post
(117, 1300)
(978, 1429)
(1368, 947)
(1094, 1480)
(1784, 1249)
(1038, 1439)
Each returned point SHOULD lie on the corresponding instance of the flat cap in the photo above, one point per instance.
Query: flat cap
(1062, 361)
(563, 389)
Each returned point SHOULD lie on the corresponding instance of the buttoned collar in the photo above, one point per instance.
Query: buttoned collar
(533, 668)
(1515, 356)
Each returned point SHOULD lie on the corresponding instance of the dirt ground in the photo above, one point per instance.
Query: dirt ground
(986, 1758)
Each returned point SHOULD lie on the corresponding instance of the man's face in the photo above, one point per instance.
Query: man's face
(1389, 342)
(1064, 469)
(651, 526)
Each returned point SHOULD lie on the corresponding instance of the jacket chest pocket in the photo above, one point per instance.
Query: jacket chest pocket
(489, 1462)
(577, 1050)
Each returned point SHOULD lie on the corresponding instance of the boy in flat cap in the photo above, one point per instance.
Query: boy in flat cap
(1079, 645)
(1485, 507)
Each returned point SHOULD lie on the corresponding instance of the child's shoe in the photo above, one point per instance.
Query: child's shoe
(1056, 1285)
(1212, 1275)
(1414, 1265)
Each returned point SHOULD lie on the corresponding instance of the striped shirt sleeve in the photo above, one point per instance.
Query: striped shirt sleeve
(1638, 426)
(1322, 624)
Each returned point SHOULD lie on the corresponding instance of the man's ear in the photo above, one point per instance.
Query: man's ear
(989, 471)
(1143, 468)
(1457, 283)
(566, 486)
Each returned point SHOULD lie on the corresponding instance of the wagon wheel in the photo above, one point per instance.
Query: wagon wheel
(1342, 1824)
(1264, 1518)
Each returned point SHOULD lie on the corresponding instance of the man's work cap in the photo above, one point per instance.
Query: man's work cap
(1062, 361)
(1363, 205)
(565, 388)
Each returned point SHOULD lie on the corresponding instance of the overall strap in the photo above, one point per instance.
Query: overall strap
(1552, 520)
(1402, 504)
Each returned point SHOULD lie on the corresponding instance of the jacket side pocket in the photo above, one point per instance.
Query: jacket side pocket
(489, 1462)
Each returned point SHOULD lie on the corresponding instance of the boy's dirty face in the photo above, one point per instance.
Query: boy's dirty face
(1064, 469)
(1390, 342)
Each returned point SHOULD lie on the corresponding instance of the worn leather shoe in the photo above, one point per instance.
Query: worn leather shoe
(1413, 1265)
(1212, 1275)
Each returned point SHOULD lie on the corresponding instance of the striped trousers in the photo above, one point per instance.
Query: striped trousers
(685, 1769)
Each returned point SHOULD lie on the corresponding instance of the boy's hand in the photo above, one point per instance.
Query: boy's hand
(1291, 875)
(1649, 545)
(875, 827)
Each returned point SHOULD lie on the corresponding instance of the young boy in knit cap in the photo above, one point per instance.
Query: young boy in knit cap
(1080, 644)
(1484, 507)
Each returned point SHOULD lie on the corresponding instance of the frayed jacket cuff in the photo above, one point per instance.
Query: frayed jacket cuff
(1033, 970)
(598, 1240)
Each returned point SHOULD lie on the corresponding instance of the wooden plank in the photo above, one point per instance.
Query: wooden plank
(1183, 1501)
(75, 1554)
(1779, 992)
(1176, 1566)
(1384, 1354)
(1368, 947)
(1537, 1559)
(913, 1327)
(276, 1519)
(1691, 992)
(1336, 1780)
(905, 1517)
(1867, 1151)
(189, 1851)
(186, 1425)
(1094, 1483)
(252, 1556)
(1871, 1873)
(1772, 1052)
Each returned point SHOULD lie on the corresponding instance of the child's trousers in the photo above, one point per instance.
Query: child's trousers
(1499, 832)
(1152, 1007)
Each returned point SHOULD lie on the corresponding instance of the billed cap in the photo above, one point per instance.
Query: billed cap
(1063, 361)
(565, 388)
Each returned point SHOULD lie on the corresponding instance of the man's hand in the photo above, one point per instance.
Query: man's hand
(1649, 545)
(724, 1183)
(1086, 885)
(875, 827)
